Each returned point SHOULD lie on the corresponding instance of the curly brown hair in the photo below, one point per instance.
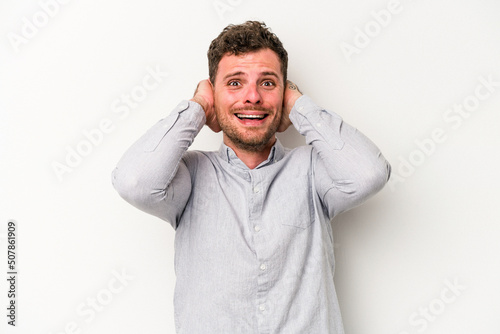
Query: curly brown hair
(243, 38)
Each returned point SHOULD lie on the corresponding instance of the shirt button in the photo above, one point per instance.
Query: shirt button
(256, 189)
(257, 228)
(262, 308)
(263, 267)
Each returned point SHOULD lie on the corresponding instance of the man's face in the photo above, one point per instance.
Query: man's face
(248, 99)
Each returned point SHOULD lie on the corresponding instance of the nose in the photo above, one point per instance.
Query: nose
(252, 94)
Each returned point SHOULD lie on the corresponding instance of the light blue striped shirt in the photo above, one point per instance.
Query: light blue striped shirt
(253, 247)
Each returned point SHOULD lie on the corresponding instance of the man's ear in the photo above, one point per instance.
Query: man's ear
(213, 91)
(212, 84)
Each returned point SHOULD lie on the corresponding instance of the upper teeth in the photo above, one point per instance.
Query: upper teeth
(250, 116)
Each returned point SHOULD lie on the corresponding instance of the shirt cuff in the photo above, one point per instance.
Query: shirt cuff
(196, 115)
(195, 118)
(316, 123)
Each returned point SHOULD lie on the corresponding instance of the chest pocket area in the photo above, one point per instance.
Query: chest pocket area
(295, 203)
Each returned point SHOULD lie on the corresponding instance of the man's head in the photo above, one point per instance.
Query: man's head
(247, 65)
(244, 38)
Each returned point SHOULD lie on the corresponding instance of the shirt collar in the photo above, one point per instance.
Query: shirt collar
(277, 153)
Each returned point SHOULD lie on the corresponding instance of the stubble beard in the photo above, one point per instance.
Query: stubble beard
(252, 143)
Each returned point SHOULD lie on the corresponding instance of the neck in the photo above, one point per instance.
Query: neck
(251, 158)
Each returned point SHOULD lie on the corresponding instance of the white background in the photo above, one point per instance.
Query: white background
(435, 225)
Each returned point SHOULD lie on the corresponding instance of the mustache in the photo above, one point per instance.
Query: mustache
(252, 108)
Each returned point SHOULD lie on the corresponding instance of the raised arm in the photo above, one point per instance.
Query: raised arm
(152, 175)
(349, 168)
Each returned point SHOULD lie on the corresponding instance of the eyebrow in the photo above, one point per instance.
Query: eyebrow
(227, 76)
(271, 74)
(233, 74)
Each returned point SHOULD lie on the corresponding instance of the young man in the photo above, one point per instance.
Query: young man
(253, 244)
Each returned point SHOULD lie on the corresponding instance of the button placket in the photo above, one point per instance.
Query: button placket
(257, 195)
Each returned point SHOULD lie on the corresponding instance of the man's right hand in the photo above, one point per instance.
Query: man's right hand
(204, 96)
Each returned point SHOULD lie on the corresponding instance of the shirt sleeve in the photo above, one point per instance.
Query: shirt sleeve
(151, 175)
(348, 167)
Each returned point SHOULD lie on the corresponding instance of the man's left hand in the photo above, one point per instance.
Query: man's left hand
(291, 94)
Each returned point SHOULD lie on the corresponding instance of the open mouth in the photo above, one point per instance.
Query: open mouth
(251, 117)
